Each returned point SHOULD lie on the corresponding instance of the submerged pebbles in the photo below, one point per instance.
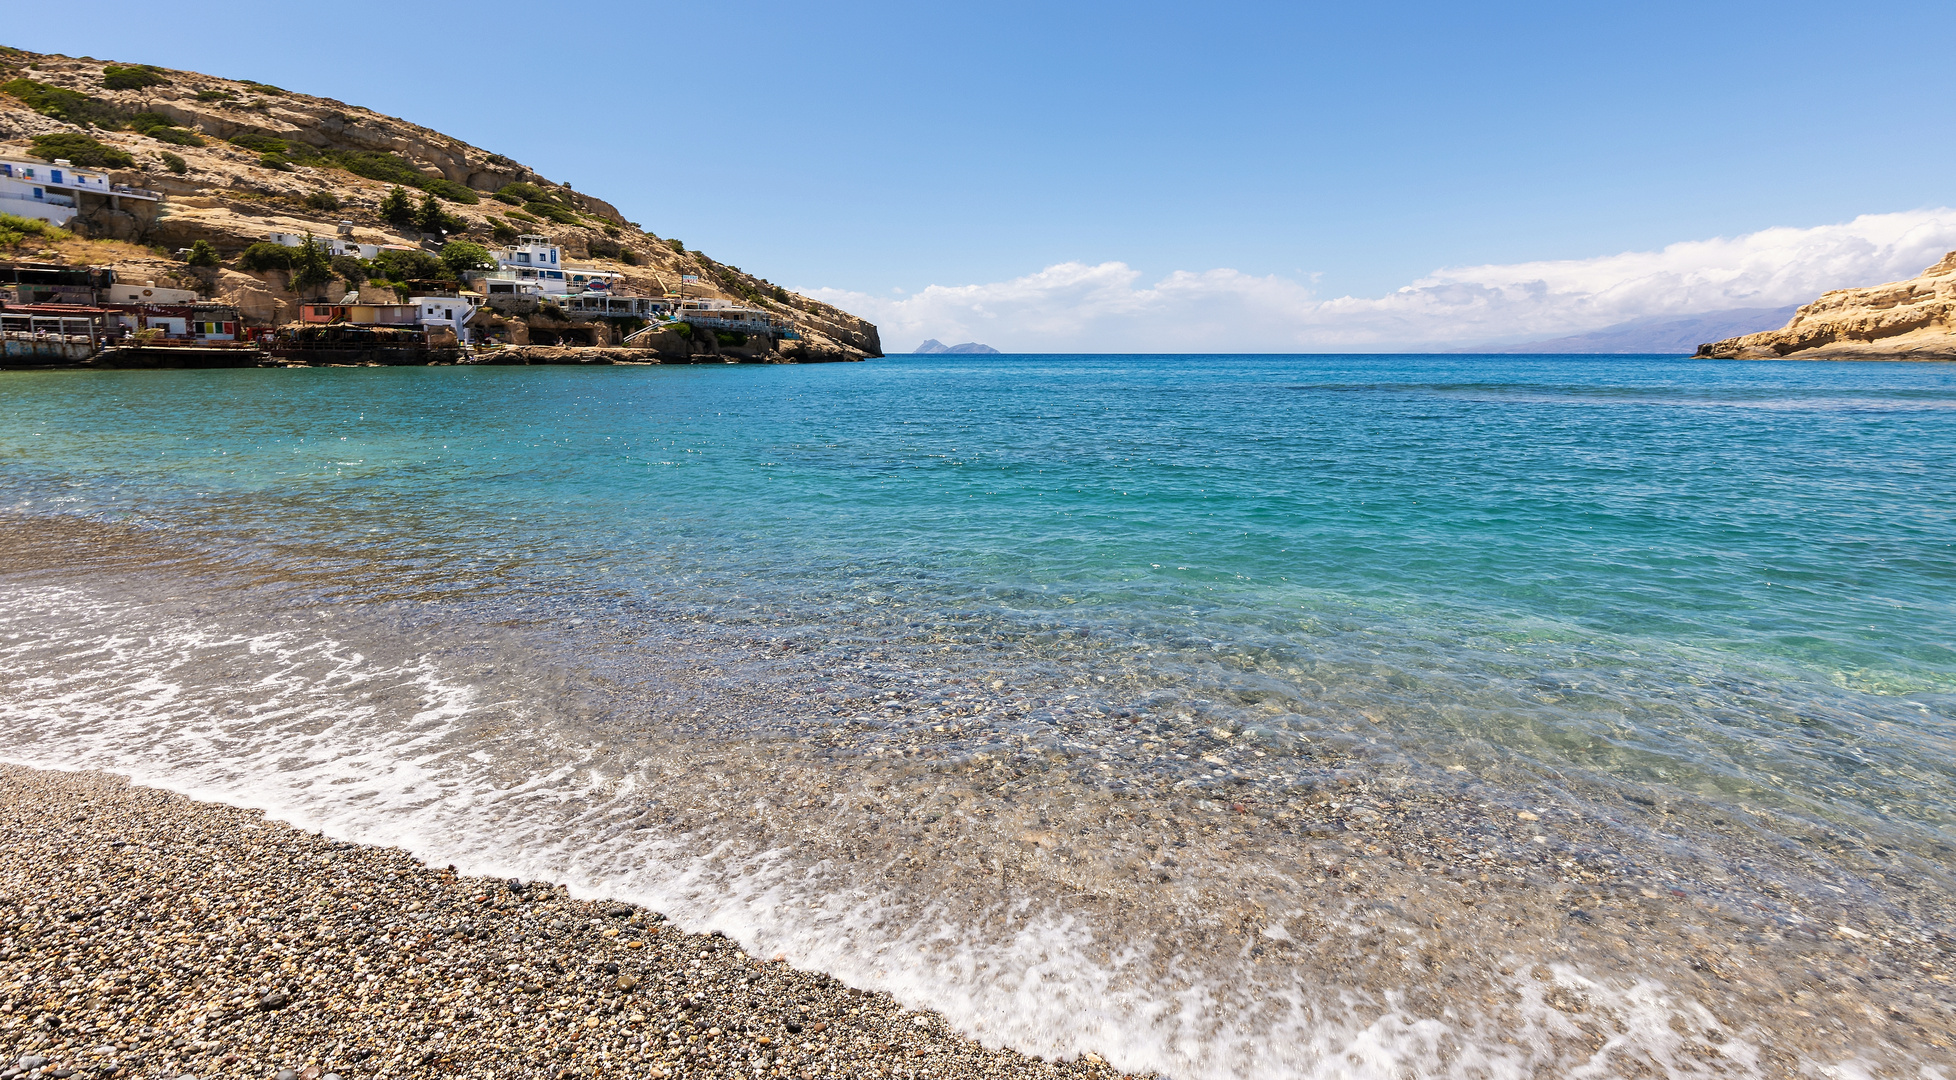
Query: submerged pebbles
(146, 935)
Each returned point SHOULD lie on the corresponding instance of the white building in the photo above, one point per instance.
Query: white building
(334, 245)
(532, 260)
(453, 312)
(53, 193)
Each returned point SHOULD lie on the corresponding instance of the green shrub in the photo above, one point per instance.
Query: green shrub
(174, 163)
(554, 213)
(450, 190)
(63, 104)
(601, 248)
(518, 215)
(264, 144)
(677, 245)
(460, 256)
(216, 95)
(132, 76)
(730, 337)
(33, 227)
(163, 129)
(520, 192)
(81, 150)
(263, 88)
(323, 200)
(351, 270)
(629, 257)
(201, 254)
(683, 329)
(503, 231)
(264, 256)
(375, 165)
(275, 161)
(405, 266)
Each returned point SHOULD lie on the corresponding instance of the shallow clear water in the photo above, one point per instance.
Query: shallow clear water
(1106, 703)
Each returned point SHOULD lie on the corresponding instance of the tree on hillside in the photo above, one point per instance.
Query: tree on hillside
(429, 218)
(201, 254)
(396, 209)
(310, 267)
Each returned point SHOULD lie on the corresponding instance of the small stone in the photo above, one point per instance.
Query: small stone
(626, 982)
(1526, 816)
(287, 1074)
(32, 1061)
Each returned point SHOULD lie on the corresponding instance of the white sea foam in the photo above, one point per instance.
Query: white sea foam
(333, 735)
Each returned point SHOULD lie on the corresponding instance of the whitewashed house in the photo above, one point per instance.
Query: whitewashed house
(54, 192)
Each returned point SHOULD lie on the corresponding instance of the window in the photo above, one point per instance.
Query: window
(54, 176)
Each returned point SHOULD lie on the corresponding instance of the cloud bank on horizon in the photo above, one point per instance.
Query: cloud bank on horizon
(1074, 307)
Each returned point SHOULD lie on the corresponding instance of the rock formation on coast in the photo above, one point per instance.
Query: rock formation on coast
(236, 160)
(1902, 320)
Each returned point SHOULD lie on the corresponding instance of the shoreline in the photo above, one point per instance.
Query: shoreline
(143, 933)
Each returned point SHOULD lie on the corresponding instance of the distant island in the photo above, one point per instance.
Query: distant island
(934, 347)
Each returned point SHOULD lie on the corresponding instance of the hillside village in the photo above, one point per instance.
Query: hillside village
(162, 216)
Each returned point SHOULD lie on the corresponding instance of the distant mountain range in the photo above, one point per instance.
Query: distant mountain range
(934, 347)
(1661, 335)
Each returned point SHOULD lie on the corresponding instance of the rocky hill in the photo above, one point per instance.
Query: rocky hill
(236, 160)
(1902, 320)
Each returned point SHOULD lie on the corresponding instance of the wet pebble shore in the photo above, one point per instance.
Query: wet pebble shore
(143, 934)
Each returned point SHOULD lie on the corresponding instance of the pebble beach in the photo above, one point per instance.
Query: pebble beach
(144, 934)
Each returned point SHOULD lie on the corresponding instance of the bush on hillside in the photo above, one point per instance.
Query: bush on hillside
(82, 150)
(323, 200)
(603, 248)
(461, 256)
(503, 231)
(63, 104)
(132, 76)
(16, 230)
(275, 161)
(518, 215)
(520, 192)
(201, 254)
(351, 270)
(677, 245)
(174, 163)
(450, 190)
(629, 257)
(554, 213)
(263, 88)
(411, 265)
(216, 95)
(264, 144)
(163, 129)
(264, 256)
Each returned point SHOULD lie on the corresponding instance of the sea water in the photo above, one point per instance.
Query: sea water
(1225, 716)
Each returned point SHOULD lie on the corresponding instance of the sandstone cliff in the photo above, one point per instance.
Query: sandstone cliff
(1902, 320)
(241, 159)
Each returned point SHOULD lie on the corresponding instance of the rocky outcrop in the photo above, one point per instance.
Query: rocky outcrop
(230, 195)
(1902, 320)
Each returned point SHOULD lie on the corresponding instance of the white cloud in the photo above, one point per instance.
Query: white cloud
(1073, 307)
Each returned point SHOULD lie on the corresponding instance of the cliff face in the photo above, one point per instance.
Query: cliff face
(252, 159)
(1902, 320)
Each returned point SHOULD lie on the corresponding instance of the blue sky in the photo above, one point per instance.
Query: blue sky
(1351, 149)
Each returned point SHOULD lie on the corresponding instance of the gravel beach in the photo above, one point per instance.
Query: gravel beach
(144, 934)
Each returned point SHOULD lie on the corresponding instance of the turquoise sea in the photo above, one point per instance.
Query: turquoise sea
(1255, 716)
